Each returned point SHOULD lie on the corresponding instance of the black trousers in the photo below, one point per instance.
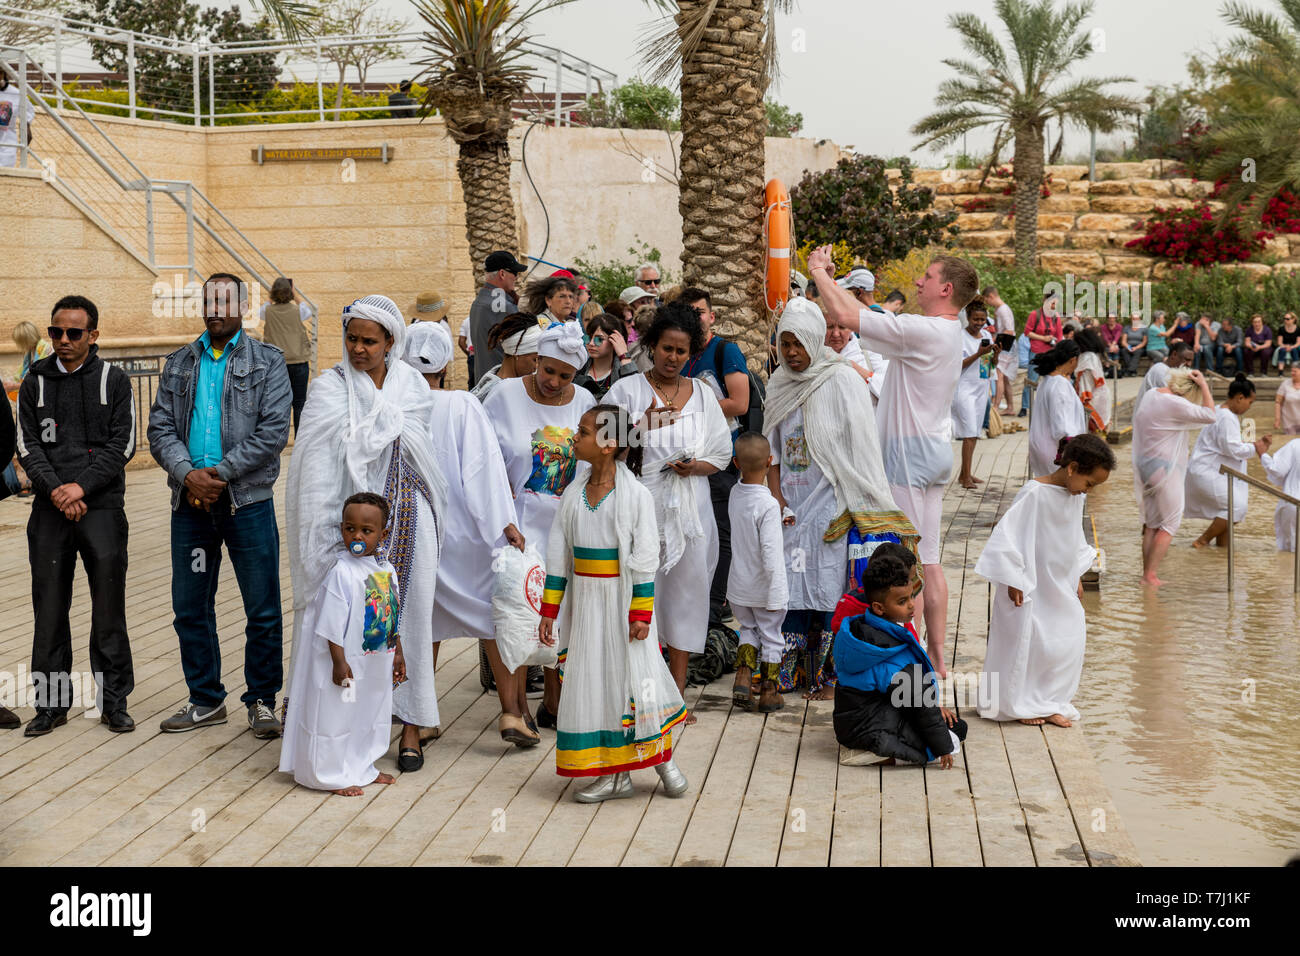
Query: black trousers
(299, 377)
(720, 485)
(53, 544)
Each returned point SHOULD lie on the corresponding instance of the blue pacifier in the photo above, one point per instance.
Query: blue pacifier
(358, 548)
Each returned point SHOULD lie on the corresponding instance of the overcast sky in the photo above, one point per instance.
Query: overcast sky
(871, 67)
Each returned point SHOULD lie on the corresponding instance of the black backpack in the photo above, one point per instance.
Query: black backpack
(752, 418)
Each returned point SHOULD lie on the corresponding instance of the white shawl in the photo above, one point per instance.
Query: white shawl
(839, 423)
(343, 446)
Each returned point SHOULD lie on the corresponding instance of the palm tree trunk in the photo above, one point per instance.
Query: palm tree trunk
(484, 170)
(1027, 168)
(722, 168)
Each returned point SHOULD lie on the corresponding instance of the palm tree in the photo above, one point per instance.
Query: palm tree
(1021, 92)
(1255, 133)
(726, 52)
(474, 72)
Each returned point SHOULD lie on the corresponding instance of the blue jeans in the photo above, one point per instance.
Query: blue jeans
(1207, 357)
(252, 540)
(1223, 354)
(1031, 380)
(1286, 356)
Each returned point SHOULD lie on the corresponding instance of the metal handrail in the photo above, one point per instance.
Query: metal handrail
(1276, 493)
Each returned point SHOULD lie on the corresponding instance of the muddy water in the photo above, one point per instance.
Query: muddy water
(1189, 695)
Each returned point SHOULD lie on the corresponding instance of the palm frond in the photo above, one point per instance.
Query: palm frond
(290, 16)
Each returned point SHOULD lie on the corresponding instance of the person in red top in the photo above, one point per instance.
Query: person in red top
(855, 602)
(1044, 326)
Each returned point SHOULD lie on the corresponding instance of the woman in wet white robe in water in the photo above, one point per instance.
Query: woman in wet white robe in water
(1034, 558)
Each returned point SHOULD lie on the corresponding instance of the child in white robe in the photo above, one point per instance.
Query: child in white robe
(1284, 469)
(971, 400)
(1206, 492)
(1034, 559)
(338, 721)
(756, 586)
(620, 702)
(1057, 411)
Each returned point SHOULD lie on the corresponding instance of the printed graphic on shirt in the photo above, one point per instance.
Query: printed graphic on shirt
(795, 456)
(6, 113)
(379, 629)
(553, 463)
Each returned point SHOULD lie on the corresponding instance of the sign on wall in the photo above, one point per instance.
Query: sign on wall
(270, 154)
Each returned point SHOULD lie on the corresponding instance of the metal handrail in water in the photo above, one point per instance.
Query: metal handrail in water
(1276, 493)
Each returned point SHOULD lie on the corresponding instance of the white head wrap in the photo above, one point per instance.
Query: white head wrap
(428, 347)
(522, 343)
(565, 343)
(382, 310)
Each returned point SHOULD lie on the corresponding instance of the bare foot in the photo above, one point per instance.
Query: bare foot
(825, 692)
(1152, 580)
(1198, 544)
(1060, 721)
(349, 792)
(385, 778)
(968, 485)
(978, 481)
(690, 719)
(1032, 721)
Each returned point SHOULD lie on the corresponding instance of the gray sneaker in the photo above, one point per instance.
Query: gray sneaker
(261, 718)
(192, 717)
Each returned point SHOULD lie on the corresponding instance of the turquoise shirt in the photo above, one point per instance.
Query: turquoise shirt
(205, 423)
(1156, 335)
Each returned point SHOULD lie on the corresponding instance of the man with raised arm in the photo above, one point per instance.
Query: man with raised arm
(914, 416)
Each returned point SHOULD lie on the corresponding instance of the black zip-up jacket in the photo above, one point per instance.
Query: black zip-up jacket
(77, 427)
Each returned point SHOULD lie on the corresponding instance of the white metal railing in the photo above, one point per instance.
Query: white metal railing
(205, 84)
(1232, 538)
(89, 167)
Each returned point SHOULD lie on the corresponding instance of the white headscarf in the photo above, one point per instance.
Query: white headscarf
(564, 342)
(839, 424)
(428, 347)
(522, 343)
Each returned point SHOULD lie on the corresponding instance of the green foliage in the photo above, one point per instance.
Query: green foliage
(853, 202)
(303, 96)
(1021, 287)
(102, 98)
(782, 121)
(1222, 291)
(634, 105)
(606, 279)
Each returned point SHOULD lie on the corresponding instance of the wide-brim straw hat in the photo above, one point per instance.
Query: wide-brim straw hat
(430, 307)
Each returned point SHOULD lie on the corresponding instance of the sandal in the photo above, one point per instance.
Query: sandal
(514, 731)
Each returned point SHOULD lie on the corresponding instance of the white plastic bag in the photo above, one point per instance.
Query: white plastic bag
(517, 608)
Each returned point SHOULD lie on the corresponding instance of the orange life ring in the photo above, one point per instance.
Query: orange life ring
(778, 232)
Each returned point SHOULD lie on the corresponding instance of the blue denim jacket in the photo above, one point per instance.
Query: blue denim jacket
(255, 413)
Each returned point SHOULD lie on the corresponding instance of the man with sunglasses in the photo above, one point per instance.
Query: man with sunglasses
(218, 425)
(647, 278)
(76, 432)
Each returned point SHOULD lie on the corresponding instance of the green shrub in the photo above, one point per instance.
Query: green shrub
(782, 121)
(1020, 287)
(1222, 291)
(634, 105)
(102, 100)
(608, 278)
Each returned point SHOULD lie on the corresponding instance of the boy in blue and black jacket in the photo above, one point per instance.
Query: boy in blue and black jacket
(886, 707)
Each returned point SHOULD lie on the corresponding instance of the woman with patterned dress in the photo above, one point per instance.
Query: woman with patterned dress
(367, 426)
(535, 418)
(620, 702)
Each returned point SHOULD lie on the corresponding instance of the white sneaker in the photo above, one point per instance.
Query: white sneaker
(859, 758)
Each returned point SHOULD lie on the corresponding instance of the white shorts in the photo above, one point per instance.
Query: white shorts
(924, 508)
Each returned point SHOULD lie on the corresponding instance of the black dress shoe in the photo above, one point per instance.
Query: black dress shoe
(9, 720)
(119, 722)
(545, 718)
(44, 722)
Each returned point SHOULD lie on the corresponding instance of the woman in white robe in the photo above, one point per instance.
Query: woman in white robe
(970, 402)
(1160, 428)
(1206, 495)
(1283, 469)
(1090, 380)
(366, 426)
(829, 476)
(686, 439)
(480, 515)
(1034, 559)
(517, 336)
(1057, 412)
(535, 419)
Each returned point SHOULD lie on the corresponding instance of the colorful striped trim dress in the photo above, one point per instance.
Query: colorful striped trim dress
(620, 702)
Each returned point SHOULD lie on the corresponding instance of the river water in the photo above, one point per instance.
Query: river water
(1189, 695)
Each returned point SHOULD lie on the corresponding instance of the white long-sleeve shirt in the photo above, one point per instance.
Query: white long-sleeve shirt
(757, 575)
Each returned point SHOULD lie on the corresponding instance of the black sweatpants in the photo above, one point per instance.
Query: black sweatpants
(53, 543)
(720, 485)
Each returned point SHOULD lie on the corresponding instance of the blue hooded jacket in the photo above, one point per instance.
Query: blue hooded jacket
(866, 667)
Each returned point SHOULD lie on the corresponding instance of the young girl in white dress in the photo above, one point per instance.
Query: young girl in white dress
(1220, 444)
(620, 702)
(337, 722)
(971, 400)
(1057, 411)
(1034, 559)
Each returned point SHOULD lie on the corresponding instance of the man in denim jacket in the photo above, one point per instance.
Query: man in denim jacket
(218, 425)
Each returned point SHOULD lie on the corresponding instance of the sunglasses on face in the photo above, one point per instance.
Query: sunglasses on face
(647, 281)
(55, 333)
(596, 340)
